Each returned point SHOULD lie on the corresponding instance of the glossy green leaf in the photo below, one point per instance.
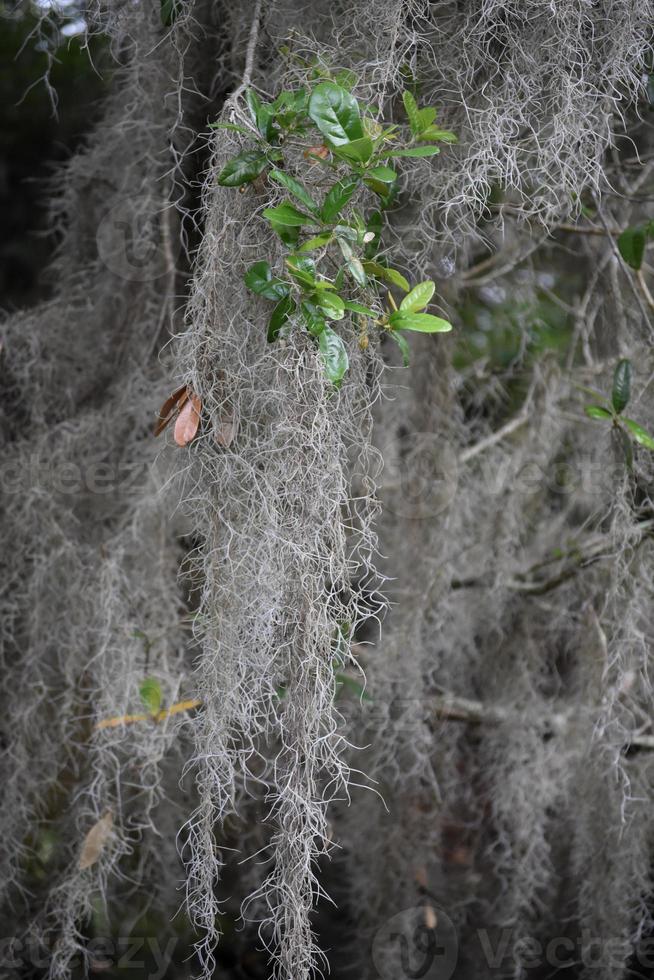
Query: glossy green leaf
(419, 297)
(150, 693)
(383, 181)
(279, 316)
(416, 151)
(336, 113)
(639, 434)
(621, 391)
(597, 412)
(386, 274)
(303, 269)
(403, 345)
(411, 109)
(295, 188)
(260, 280)
(330, 304)
(262, 115)
(356, 270)
(419, 322)
(242, 168)
(318, 241)
(337, 197)
(360, 308)
(289, 234)
(334, 355)
(287, 214)
(359, 151)
(631, 245)
(313, 318)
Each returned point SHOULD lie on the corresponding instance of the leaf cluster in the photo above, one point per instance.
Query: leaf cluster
(333, 267)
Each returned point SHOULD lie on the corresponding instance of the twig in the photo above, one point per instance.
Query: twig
(249, 56)
(494, 437)
(449, 707)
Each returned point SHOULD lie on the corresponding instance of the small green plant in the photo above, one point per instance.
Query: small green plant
(611, 411)
(333, 266)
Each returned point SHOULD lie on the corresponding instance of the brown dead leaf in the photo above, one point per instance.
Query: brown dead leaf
(95, 840)
(188, 420)
(225, 432)
(167, 410)
(316, 151)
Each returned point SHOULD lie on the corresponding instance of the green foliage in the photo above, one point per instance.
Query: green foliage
(343, 276)
(632, 243)
(612, 410)
(150, 692)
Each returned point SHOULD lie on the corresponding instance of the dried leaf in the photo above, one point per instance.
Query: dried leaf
(188, 420)
(225, 432)
(167, 410)
(431, 919)
(95, 840)
(316, 151)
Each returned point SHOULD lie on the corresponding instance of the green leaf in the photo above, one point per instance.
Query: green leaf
(621, 391)
(386, 274)
(357, 150)
(627, 447)
(303, 269)
(403, 345)
(262, 116)
(150, 692)
(631, 244)
(260, 280)
(279, 316)
(383, 181)
(420, 322)
(317, 242)
(360, 308)
(336, 113)
(170, 10)
(289, 234)
(426, 117)
(411, 109)
(313, 318)
(337, 197)
(416, 151)
(287, 214)
(597, 412)
(334, 355)
(639, 434)
(438, 135)
(242, 168)
(418, 298)
(356, 270)
(296, 189)
(330, 304)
